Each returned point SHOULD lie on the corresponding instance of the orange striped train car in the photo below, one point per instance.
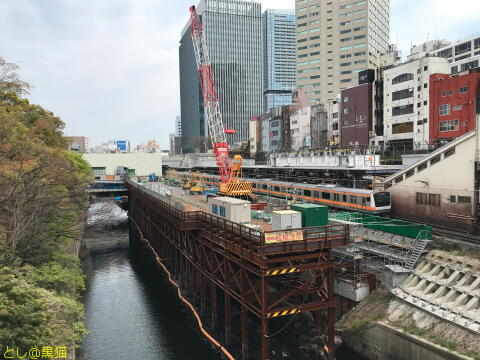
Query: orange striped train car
(334, 196)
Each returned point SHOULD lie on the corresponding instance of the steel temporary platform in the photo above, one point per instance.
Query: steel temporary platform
(265, 274)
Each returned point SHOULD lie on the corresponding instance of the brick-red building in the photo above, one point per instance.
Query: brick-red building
(454, 101)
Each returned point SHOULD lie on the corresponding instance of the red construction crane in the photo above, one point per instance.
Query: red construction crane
(210, 98)
(231, 183)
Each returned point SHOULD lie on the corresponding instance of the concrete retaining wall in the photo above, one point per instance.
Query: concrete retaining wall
(382, 342)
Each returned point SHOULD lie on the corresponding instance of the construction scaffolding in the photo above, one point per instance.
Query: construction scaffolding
(262, 274)
(378, 242)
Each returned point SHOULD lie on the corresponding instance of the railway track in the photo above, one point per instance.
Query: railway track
(456, 237)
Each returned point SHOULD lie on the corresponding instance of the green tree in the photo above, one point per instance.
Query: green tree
(43, 200)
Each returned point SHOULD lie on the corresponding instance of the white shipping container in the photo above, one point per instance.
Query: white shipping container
(286, 219)
(232, 209)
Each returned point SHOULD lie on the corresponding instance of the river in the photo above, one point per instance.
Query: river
(132, 313)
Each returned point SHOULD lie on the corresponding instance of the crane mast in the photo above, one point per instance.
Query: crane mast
(210, 97)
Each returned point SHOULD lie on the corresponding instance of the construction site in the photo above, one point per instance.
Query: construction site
(307, 238)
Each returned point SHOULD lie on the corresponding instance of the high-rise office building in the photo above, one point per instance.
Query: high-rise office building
(233, 34)
(335, 40)
(278, 27)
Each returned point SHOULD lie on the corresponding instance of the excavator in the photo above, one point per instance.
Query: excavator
(230, 173)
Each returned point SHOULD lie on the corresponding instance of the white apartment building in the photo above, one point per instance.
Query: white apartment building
(462, 55)
(300, 129)
(406, 102)
(335, 40)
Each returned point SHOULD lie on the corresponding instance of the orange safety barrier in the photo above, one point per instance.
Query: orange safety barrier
(179, 291)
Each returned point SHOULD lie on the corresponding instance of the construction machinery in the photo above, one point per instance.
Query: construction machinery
(231, 182)
(196, 183)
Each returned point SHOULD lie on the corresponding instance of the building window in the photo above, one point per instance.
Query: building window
(422, 198)
(462, 48)
(214, 209)
(449, 125)
(463, 90)
(402, 110)
(444, 109)
(464, 200)
(470, 65)
(435, 160)
(444, 93)
(453, 199)
(434, 199)
(449, 153)
(450, 92)
(402, 128)
(457, 107)
(345, 111)
(422, 167)
(402, 94)
(345, 99)
(402, 78)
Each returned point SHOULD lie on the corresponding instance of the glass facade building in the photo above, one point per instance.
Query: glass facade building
(278, 28)
(233, 33)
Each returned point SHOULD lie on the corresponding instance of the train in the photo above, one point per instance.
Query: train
(335, 196)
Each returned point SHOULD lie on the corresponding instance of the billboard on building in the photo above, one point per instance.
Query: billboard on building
(356, 116)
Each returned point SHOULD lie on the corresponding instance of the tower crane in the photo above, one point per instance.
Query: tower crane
(230, 174)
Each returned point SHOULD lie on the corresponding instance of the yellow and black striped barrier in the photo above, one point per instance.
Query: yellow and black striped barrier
(283, 313)
(282, 271)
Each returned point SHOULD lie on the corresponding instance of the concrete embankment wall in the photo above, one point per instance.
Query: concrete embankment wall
(382, 342)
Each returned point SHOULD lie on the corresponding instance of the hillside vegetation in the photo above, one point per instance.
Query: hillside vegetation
(42, 206)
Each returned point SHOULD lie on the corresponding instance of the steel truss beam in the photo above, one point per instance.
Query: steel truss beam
(265, 281)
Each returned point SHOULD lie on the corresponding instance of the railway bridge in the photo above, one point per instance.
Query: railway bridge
(261, 275)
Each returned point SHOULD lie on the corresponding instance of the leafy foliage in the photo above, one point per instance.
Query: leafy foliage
(42, 207)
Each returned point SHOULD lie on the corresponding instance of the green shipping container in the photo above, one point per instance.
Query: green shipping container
(312, 214)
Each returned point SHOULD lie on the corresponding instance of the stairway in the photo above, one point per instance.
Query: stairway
(416, 250)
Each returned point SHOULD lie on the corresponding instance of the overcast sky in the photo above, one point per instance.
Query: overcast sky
(109, 68)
